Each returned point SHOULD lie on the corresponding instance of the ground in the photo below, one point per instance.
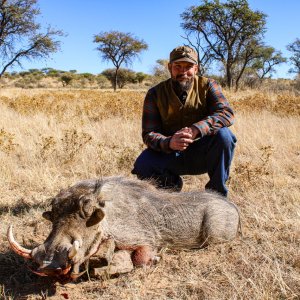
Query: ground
(50, 139)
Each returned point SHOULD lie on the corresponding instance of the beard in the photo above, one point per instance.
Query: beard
(181, 86)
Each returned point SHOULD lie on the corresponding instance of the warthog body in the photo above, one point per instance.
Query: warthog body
(137, 216)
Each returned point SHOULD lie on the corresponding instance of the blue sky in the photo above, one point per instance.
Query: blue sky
(157, 22)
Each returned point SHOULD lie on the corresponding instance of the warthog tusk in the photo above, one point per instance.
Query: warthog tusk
(76, 275)
(15, 245)
(37, 272)
(74, 249)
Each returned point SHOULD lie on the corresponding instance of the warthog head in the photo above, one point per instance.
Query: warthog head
(75, 235)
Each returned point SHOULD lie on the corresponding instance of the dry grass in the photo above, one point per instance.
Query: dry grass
(51, 139)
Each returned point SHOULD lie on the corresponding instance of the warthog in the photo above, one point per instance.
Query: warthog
(135, 215)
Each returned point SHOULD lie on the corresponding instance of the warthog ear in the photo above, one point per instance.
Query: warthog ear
(47, 215)
(104, 193)
(95, 218)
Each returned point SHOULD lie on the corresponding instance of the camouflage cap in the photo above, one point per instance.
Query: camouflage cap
(184, 53)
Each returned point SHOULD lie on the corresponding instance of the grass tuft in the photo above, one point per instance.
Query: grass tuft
(51, 139)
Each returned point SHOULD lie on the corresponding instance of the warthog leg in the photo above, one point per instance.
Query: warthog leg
(144, 256)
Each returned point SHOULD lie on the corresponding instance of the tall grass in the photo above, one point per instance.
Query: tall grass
(51, 139)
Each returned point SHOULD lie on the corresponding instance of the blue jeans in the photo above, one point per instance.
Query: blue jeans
(211, 154)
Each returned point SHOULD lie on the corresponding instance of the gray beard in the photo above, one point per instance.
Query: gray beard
(182, 86)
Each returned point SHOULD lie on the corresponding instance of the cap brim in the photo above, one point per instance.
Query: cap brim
(186, 59)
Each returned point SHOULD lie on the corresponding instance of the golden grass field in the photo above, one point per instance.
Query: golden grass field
(49, 139)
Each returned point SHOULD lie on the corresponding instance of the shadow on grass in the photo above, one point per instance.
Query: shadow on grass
(18, 282)
(21, 207)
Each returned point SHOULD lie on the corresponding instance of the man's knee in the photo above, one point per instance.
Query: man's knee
(154, 165)
(150, 162)
(142, 166)
(225, 138)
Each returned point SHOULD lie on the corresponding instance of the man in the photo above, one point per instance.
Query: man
(184, 125)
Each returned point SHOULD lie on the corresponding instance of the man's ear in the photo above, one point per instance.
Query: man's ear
(170, 68)
(95, 218)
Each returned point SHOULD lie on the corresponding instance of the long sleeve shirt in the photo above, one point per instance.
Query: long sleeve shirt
(219, 114)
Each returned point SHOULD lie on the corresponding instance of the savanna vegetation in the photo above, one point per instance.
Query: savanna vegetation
(228, 36)
(22, 36)
(58, 127)
(52, 78)
(49, 139)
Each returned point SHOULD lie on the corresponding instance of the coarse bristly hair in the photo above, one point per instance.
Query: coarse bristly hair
(136, 213)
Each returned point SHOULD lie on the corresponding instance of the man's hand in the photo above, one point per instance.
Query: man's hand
(194, 131)
(181, 139)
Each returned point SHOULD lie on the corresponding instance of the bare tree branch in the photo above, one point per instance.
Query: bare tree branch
(20, 35)
(229, 29)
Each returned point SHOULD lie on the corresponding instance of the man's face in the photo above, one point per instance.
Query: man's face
(183, 73)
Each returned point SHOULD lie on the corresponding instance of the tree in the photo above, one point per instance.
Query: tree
(66, 78)
(119, 48)
(205, 55)
(231, 30)
(125, 76)
(160, 70)
(267, 60)
(140, 77)
(295, 58)
(102, 81)
(20, 35)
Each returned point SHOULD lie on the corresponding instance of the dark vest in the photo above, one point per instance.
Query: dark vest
(174, 114)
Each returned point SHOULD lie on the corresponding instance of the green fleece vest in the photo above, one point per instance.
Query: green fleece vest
(174, 114)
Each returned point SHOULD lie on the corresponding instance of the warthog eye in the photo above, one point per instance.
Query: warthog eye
(48, 215)
(86, 207)
(54, 201)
